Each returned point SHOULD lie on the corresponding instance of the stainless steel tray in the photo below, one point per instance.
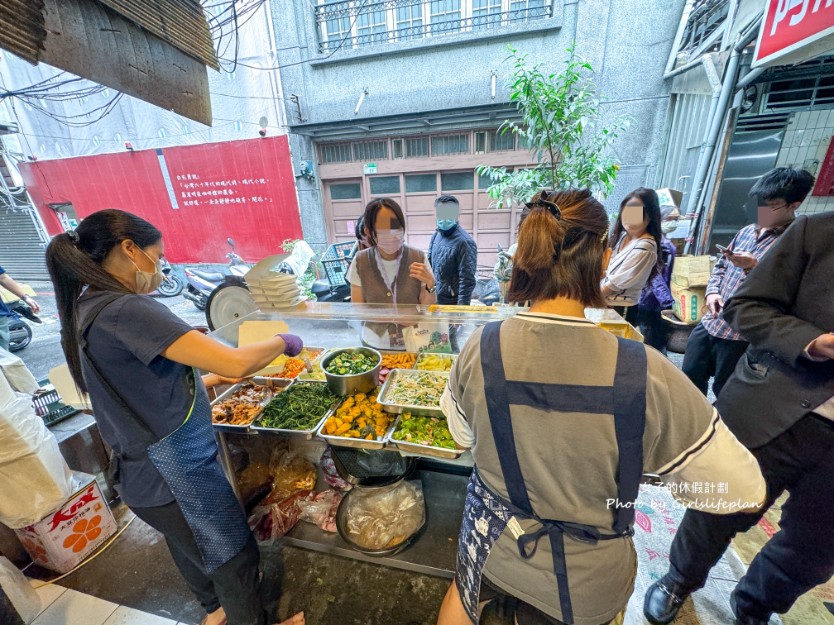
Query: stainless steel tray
(423, 411)
(420, 450)
(268, 370)
(423, 355)
(355, 443)
(226, 427)
(305, 434)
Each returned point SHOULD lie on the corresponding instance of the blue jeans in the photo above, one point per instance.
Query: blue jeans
(5, 322)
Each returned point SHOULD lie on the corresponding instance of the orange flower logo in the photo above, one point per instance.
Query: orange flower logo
(83, 531)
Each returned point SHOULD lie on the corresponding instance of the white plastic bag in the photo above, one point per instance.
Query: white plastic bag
(20, 378)
(34, 478)
(25, 600)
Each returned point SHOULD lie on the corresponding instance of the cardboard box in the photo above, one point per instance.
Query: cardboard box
(670, 196)
(61, 540)
(690, 303)
(691, 271)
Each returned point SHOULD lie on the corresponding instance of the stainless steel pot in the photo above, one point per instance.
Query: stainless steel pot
(356, 383)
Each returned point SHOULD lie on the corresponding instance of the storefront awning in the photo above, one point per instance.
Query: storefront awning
(154, 50)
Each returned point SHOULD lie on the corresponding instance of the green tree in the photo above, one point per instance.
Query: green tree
(560, 124)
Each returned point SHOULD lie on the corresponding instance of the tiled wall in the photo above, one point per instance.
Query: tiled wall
(805, 144)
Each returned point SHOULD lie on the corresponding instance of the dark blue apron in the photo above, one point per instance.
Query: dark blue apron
(487, 515)
(187, 461)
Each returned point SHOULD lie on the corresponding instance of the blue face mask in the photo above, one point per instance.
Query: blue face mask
(446, 224)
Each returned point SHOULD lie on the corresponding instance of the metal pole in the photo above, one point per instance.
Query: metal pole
(727, 88)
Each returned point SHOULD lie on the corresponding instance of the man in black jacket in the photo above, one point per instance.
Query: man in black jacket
(779, 402)
(453, 255)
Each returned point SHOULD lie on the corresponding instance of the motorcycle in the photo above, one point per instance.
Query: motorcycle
(20, 334)
(200, 284)
(171, 284)
(335, 260)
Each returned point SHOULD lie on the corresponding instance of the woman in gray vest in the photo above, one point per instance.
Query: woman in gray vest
(569, 420)
(388, 272)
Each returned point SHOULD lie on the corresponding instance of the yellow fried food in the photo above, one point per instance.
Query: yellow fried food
(435, 362)
(401, 360)
(359, 416)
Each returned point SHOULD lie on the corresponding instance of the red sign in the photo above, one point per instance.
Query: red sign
(69, 512)
(791, 25)
(196, 195)
(825, 176)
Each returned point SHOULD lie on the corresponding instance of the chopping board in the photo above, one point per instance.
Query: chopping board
(256, 331)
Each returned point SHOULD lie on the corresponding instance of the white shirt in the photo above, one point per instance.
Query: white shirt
(391, 267)
(629, 270)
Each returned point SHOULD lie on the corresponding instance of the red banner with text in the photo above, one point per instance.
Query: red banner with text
(198, 195)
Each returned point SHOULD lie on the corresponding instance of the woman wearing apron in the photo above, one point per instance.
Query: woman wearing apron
(137, 362)
(388, 272)
(635, 243)
(562, 419)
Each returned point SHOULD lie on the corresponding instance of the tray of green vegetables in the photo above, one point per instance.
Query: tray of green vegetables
(423, 436)
(298, 411)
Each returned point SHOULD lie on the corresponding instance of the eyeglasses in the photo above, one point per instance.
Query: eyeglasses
(774, 208)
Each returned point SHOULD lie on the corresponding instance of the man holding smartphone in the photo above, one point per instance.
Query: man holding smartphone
(714, 347)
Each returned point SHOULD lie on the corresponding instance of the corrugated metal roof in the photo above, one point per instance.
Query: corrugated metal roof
(22, 30)
(181, 23)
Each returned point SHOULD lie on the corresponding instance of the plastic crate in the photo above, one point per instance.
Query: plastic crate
(336, 261)
(49, 407)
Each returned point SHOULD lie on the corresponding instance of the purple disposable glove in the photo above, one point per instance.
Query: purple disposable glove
(293, 344)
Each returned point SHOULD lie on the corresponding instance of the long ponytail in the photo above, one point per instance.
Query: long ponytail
(74, 260)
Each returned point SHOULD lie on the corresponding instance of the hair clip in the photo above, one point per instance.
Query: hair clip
(73, 236)
(543, 202)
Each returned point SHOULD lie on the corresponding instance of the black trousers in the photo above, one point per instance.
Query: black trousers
(707, 356)
(234, 586)
(525, 614)
(653, 328)
(801, 554)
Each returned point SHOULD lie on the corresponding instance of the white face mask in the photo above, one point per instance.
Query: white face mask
(390, 241)
(668, 226)
(147, 282)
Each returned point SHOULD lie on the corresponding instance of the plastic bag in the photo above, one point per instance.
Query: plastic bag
(17, 588)
(330, 473)
(384, 518)
(272, 519)
(320, 509)
(290, 473)
(18, 376)
(36, 480)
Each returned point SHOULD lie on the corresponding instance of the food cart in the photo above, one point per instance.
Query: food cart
(443, 472)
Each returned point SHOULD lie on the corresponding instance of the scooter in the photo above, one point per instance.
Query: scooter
(171, 284)
(336, 260)
(20, 334)
(200, 284)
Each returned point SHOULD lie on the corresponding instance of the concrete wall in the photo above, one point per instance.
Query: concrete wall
(627, 41)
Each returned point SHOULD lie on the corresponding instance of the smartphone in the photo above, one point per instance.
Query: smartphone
(721, 248)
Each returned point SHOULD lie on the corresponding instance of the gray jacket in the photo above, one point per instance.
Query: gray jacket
(785, 303)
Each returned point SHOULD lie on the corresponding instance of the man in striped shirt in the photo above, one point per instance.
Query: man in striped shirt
(714, 347)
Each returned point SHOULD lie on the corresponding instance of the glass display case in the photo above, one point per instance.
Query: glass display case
(391, 330)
